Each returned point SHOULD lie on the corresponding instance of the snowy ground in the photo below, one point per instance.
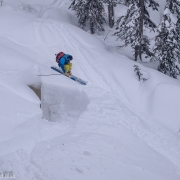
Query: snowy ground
(116, 127)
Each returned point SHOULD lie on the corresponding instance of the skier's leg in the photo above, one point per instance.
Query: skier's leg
(66, 67)
(70, 66)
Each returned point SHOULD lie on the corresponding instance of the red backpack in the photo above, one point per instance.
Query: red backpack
(59, 56)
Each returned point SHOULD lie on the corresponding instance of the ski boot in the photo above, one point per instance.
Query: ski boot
(69, 72)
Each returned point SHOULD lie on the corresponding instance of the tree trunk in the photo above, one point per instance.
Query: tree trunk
(141, 24)
(92, 26)
(170, 4)
(111, 15)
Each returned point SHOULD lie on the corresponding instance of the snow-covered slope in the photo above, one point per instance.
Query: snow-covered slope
(116, 127)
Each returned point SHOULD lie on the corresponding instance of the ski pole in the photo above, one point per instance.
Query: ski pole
(48, 74)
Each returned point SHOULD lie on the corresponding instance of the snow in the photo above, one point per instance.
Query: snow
(115, 127)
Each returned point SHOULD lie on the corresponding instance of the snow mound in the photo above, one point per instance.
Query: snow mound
(64, 100)
(165, 105)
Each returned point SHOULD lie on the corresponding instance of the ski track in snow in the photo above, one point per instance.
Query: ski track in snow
(148, 131)
(47, 7)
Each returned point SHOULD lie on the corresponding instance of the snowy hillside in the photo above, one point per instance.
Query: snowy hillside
(115, 127)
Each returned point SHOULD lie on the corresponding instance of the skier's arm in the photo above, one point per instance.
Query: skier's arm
(62, 67)
(61, 64)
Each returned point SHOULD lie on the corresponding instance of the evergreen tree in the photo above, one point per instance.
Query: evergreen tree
(90, 14)
(167, 44)
(130, 27)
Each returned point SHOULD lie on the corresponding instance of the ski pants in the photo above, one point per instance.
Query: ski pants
(68, 67)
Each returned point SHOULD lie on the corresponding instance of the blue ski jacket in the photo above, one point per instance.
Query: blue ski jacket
(64, 60)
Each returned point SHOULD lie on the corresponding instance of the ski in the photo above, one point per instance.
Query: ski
(74, 78)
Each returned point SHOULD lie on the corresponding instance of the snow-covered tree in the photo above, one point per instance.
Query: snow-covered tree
(167, 44)
(90, 14)
(130, 26)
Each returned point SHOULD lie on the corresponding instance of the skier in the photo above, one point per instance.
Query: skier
(65, 64)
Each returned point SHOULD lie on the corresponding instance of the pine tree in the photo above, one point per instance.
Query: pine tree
(90, 14)
(130, 27)
(167, 44)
